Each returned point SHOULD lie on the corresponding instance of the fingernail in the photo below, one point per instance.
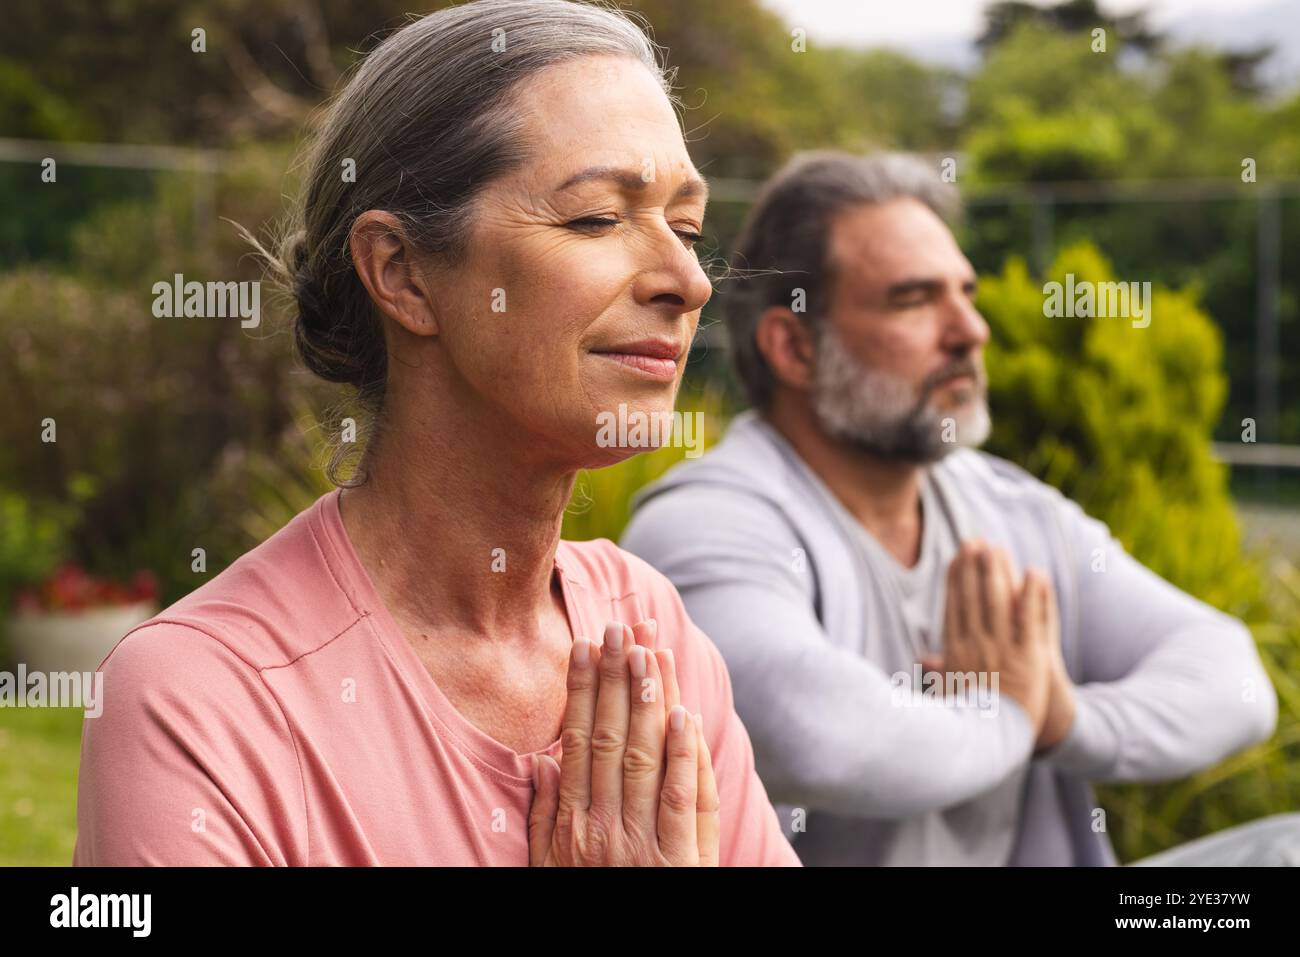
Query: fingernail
(699, 722)
(677, 717)
(636, 660)
(581, 652)
(537, 773)
(614, 636)
(653, 627)
(670, 660)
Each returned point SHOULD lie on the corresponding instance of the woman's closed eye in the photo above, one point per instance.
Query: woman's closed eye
(688, 236)
(592, 222)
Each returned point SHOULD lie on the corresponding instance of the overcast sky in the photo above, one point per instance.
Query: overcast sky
(942, 30)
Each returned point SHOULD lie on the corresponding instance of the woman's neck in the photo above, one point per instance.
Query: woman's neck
(456, 525)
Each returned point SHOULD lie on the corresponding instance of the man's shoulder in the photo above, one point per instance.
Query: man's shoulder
(975, 469)
(1005, 493)
(751, 468)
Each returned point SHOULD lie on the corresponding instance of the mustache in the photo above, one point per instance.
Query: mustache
(965, 366)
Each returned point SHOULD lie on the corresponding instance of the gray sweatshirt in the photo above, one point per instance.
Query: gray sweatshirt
(775, 571)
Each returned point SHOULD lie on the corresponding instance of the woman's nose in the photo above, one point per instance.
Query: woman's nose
(673, 277)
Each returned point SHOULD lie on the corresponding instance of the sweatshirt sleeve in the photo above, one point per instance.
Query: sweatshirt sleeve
(751, 834)
(1167, 685)
(191, 761)
(828, 730)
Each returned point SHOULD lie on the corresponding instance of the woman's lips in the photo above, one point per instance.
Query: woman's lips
(656, 357)
(649, 365)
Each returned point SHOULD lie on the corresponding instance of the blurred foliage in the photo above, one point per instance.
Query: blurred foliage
(261, 489)
(1041, 99)
(1043, 108)
(30, 110)
(147, 407)
(1248, 785)
(33, 539)
(1119, 419)
(600, 506)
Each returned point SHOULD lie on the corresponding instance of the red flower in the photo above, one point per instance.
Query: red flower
(71, 588)
(144, 585)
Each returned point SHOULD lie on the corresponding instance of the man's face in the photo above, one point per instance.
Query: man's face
(899, 365)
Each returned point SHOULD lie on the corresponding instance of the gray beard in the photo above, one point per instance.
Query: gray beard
(886, 416)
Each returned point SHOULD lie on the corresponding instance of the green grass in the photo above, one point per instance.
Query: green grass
(40, 750)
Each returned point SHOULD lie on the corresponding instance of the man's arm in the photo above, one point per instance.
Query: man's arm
(825, 728)
(1167, 684)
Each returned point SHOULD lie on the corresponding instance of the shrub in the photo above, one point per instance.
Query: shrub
(147, 410)
(1120, 419)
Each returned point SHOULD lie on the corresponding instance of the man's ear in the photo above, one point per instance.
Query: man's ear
(787, 345)
(385, 262)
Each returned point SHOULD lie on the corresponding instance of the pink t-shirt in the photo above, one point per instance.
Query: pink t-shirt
(277, 715)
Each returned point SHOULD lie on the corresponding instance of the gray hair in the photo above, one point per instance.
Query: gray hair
(783, 243)
(427, 121)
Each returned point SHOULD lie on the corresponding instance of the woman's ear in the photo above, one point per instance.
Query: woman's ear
(787, 345)
(385, 262)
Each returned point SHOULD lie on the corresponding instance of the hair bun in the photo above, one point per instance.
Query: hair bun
(306, 289)
(314, 334)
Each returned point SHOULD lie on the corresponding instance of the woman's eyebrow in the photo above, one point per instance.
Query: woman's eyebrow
(632, 181)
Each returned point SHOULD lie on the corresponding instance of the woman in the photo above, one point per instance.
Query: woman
(416, 670)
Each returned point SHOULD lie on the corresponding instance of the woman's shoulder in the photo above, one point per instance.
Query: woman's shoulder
(611, 572)
(190, 731)
(167, 658)
(632, 589)
(281, 599)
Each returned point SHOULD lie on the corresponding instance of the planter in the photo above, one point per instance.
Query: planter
(72, 640)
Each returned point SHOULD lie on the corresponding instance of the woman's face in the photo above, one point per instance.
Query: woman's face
(580, 292)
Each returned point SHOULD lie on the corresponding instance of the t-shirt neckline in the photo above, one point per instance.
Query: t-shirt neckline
(495, 757)
(906, 577)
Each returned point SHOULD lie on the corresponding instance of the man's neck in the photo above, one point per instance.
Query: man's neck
(884, 496)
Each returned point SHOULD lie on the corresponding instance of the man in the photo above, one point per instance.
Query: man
(846, 529)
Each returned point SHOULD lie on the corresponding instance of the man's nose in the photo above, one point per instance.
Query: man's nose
(966, 327)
